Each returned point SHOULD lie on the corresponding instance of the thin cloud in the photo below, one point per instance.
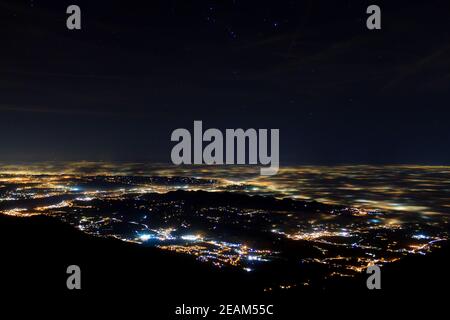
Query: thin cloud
(39, 109)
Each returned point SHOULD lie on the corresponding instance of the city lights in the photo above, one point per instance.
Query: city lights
(350, 231)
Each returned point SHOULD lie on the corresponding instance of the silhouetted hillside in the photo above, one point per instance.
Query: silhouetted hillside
(37, 250)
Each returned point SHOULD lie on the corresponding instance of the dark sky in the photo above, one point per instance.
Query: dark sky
(338, 92)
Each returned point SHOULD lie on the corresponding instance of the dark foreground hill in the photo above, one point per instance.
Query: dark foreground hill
(36, 251)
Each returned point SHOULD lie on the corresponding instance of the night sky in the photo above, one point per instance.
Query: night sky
(115, 90)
